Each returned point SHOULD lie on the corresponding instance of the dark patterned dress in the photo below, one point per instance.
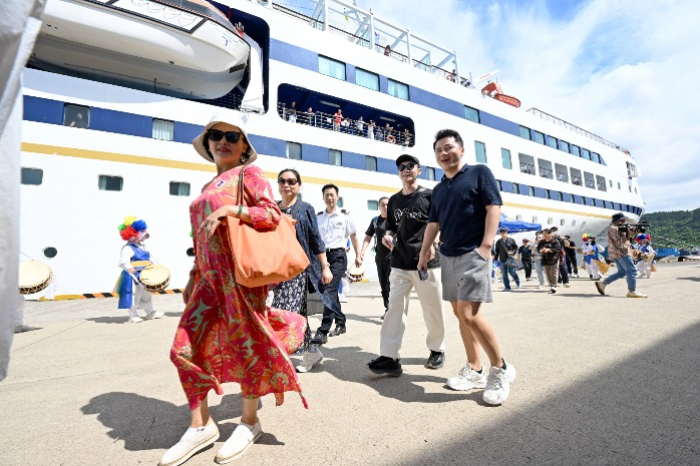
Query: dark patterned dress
(292, 295)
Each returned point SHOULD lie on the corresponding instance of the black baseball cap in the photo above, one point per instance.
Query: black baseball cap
(407, 158)
(618, 216)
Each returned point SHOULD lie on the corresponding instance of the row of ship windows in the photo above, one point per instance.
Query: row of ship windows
(336, 69)
(551, 141)
(35, 176)
(78, 116)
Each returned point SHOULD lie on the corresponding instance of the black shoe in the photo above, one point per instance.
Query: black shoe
(319, 338)
(385, 366)
(436, 360)
(339, 330)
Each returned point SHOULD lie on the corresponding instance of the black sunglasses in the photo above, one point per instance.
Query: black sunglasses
(406, 166)
(289, 181)
(217, 135)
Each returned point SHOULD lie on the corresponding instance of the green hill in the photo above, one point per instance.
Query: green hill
(679, 229)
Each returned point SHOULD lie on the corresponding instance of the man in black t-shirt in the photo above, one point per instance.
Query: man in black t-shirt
(525, 258)
(570, 255)
(506, 249)
(376, 230)
(407, 217)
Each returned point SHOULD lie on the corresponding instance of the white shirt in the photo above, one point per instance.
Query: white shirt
(335, 228)
(126, 254)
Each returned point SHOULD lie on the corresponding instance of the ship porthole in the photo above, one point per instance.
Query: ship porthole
(190, 252)
(50, 252)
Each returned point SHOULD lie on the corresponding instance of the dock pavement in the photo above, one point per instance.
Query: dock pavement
(601, 381)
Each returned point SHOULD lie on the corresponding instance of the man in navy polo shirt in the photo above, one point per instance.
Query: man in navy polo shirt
(465, 210)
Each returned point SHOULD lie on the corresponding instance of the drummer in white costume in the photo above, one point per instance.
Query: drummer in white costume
(133, 259)
(592, 253)
(645, 255)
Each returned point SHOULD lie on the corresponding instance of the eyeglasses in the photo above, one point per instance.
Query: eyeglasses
(289, 181)
(217, 135)
(406, 166)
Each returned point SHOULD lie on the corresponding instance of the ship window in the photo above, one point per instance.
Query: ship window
(573, 223)
(50, 252)
(339, 202)
(576, 177)
(480, 149)
(583, 200)
(76, 116)
(163, 130)
(370, 163)
(471, 114)
(293, 151)
(516, 188)
(550, 221)
(335, 157)
(366, 79)
(430, 173)
(610, 181)
(600, 180)
(562, 222)
(398, 89)
(500, 185)
(531, 191)
(524, 132)
(575, 150)
(372, 205)
(505, 159)
(537, 137)
(333, 68)
(560, 196)
(545, 168)
(635, 190)
(563, 145)
(595, 157)
(527, 164)
(179, 188)
(548, 193)
(589, 180)
(586, 154)
(551, 142)
(534, 219)
(562, 173)
(110, 183)
(619, 186)
(519, 217)
(33, 176)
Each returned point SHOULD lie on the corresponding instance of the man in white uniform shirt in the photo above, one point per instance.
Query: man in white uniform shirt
(335, 226)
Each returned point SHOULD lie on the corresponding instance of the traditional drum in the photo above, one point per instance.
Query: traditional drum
(155, 278)
(356, 273)
(33, 277)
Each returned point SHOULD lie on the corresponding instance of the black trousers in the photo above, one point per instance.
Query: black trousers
(563, 274)
(383, 272)
(338, 261)
(527, 265)
(571, 261)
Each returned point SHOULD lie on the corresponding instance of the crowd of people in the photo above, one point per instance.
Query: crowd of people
(229, 332)
(340, 123)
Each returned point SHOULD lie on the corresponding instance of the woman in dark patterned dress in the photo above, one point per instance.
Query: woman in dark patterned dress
(292, 294)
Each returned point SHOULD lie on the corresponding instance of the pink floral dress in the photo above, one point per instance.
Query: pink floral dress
(226, 333)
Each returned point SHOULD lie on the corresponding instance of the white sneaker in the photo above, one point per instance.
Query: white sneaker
(566, 285)
(154, 315)
(635, 294)
(310, 359)
(467, 379)
(552, 290)
(194, 440)
(520, 287)
(135, 319)
(498, 385)
(242, 438)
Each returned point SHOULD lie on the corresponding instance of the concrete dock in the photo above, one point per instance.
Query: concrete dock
(601, 381)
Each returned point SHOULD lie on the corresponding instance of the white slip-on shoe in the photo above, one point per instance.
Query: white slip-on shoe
(310, 359)
(467, 379)
(498, 384)
(154, 315)
(241, 439)
(635, 294)
(194, 440)
(135, 319)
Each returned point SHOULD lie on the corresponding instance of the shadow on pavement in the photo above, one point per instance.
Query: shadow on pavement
(691, 279)
(122, 319)
(405, 388)
(150, 424)
(643, 411)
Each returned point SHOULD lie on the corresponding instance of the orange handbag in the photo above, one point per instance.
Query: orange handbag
(264, 257)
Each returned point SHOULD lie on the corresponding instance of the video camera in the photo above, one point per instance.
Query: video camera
(634, 228)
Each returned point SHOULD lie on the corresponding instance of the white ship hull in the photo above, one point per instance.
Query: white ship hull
(69, 213)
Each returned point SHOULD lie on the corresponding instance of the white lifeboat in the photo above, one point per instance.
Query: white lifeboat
(182, 48)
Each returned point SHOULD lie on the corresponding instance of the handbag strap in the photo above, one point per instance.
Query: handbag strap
(241, 192)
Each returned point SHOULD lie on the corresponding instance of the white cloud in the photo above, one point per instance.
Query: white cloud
(626, 70)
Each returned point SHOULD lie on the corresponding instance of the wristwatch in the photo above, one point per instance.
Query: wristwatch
(324, 265)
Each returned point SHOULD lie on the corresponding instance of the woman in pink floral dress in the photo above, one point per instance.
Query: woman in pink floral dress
(226, 333)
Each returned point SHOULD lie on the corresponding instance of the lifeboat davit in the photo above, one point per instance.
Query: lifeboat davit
(494, 90)
(182, 48)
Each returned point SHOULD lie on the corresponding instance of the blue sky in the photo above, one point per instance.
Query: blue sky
(627, 70)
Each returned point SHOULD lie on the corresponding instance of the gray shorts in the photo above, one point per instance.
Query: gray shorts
(466, 278)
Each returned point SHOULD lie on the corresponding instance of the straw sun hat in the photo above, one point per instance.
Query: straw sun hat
(232, 118)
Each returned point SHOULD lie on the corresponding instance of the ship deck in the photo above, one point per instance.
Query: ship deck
(601, 381)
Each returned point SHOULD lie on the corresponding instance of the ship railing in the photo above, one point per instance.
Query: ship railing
(590, 184)
(562, 176)
(576, 180)
(391, 53)
(361, 41)
(527, 168)
(311, 21)
(576, 129)
(546, 173)
(326, 121)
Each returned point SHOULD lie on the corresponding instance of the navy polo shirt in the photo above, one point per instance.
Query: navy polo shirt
(459, 206)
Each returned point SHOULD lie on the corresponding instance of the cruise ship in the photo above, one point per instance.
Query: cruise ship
(116, 90)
